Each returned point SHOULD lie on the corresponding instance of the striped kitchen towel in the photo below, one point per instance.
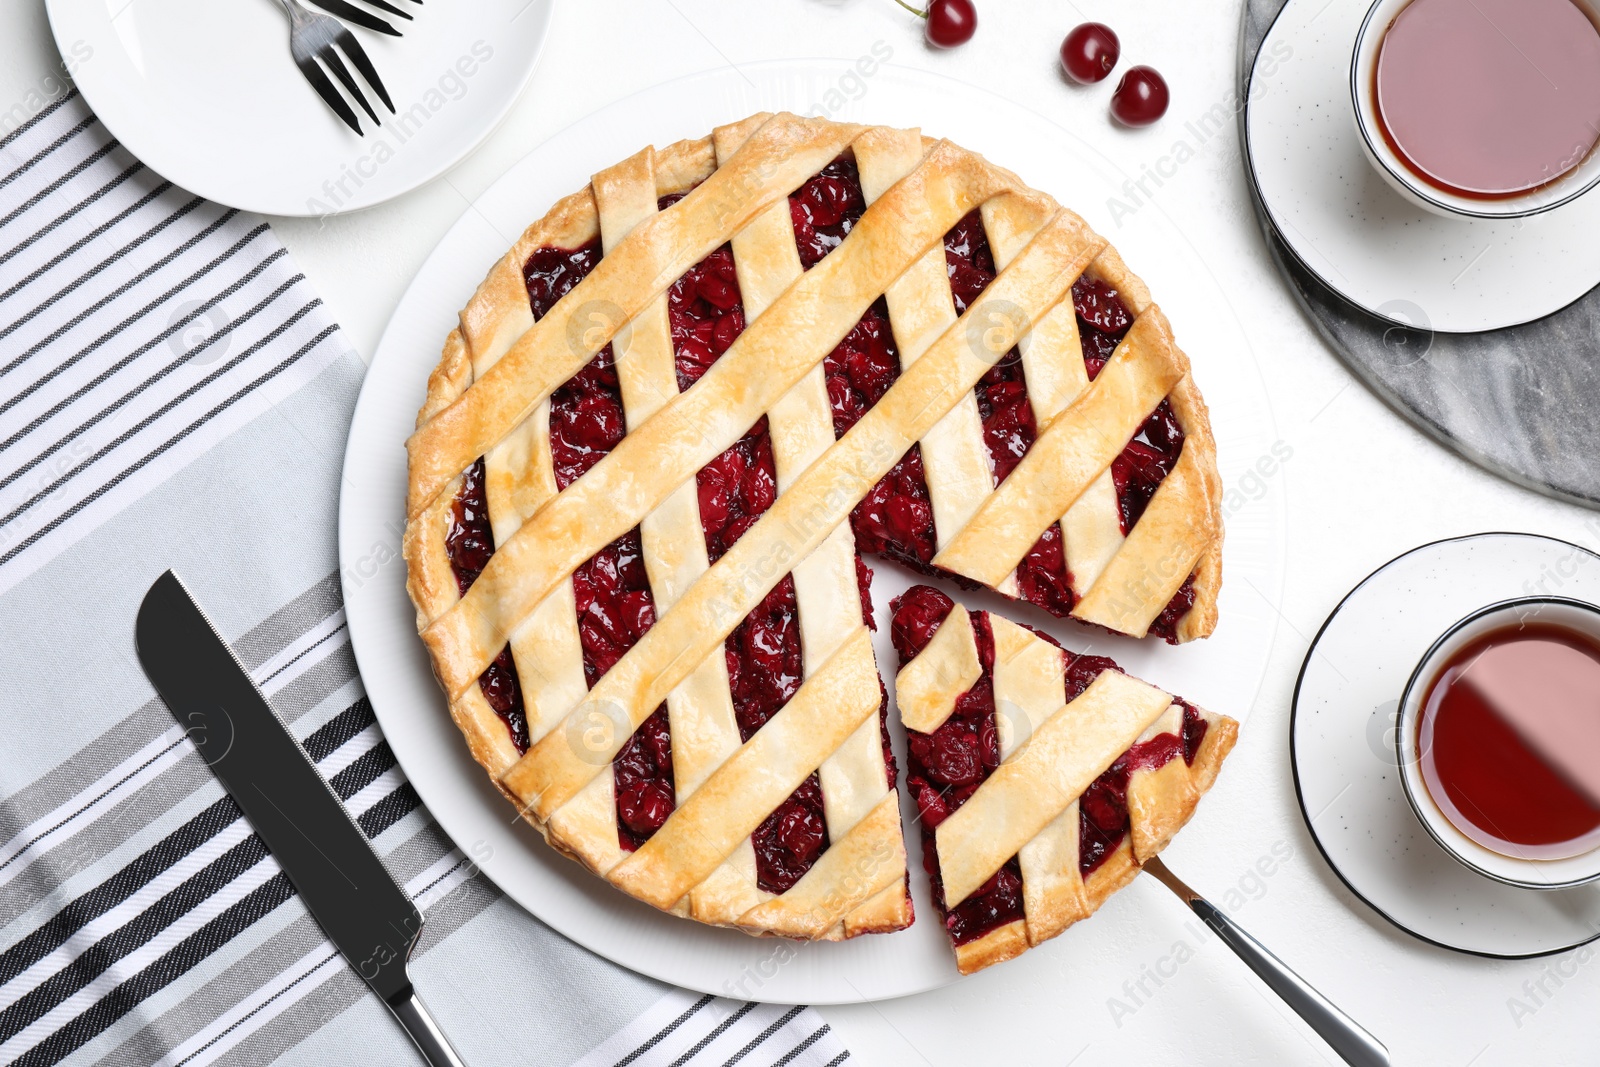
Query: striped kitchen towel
(172, 394)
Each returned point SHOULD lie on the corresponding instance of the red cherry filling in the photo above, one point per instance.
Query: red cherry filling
(1008, 426)
(586, 419)
(736, 488)
(968, 260)
(469, 540)
(895, 518)
(791, 839)
(643, 777)
(1042, 576)
(611, 590)
(861, 368)
(947, 766)
(550, 273)
(1194, 731)
(504, 693)
(1103, 319)
(1166, 624)
(614, 605)
(763, 652)
(864, 587)
(1147, 459)
(824, 210)
(705, 311)
(992, 905)
(916, 616)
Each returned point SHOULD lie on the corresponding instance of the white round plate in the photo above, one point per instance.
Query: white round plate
(206, 95)
(1222, 673)
(1344, 223)
(1345, 763)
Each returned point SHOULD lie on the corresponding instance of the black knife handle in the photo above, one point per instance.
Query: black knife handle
(430, 1040)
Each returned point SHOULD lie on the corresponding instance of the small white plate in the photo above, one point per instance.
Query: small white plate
(1346, 226)
(206, 95)
(1345, 762)
(1223, 673)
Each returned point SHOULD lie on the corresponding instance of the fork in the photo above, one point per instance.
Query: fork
(313, 37)
(359, 17)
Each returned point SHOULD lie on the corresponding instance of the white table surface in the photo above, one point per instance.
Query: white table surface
(1362, 486)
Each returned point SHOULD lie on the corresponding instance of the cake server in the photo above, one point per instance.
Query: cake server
(344, 885)
(1343, 1034)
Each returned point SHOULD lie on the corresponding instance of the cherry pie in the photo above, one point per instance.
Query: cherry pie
(675, 415)
(1043, 779)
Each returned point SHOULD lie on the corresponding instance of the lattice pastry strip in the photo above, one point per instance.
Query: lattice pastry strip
(818, 501)
(1090, 772)
(854, 778)
(1053, 361)
(778, 191)
(921, 309)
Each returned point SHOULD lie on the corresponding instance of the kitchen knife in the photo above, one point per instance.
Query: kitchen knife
(342, 882)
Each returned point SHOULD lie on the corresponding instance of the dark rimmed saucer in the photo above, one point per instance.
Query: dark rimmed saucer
(1517, 400)
(1342, 743)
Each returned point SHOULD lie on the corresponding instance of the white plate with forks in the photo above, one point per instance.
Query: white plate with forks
(205, 93)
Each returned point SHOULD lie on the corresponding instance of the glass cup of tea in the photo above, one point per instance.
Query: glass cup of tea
(1499, 742)
(1480, 109)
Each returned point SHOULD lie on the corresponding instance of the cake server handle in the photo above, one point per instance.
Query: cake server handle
(425, 1033)
(1343, 1034)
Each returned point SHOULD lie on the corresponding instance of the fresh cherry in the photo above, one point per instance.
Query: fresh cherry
(1089, 52)
(1141, 97)
(951, 22)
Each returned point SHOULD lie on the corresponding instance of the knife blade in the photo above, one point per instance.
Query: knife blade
(344, 885)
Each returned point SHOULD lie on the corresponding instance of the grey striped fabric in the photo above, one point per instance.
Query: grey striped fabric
(172, 394)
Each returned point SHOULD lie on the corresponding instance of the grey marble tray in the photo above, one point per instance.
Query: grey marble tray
(1523, 402)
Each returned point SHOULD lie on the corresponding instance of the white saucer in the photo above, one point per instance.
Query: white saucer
(1224, 672)
(1349, 228)
(1342, 742)
(206, 95)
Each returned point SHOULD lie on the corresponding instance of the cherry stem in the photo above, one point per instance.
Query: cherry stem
(914, 11)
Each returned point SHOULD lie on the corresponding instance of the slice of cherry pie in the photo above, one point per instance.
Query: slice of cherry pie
(1043, 779)
(675, 414)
